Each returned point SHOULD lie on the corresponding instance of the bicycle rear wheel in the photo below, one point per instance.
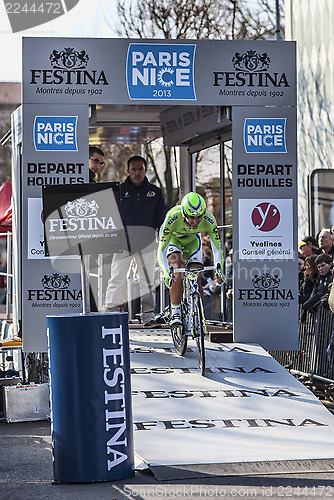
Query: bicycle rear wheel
(179, 336)
(199, 335)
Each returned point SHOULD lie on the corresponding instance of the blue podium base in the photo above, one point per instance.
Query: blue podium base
(91, 415)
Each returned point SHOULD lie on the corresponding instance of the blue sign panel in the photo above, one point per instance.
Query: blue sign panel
(55, 133)
(265, 135)
(91, 414)
(157, 71)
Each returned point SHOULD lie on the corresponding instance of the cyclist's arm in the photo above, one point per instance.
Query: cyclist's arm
(218, 257)
(213, 234)
(165, 237)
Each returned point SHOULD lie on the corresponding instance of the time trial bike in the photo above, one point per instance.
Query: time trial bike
(193, 322)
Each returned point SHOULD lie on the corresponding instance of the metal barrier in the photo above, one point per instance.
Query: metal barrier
(315, 331)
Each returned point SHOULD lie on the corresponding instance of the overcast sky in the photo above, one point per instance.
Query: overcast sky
(88, 18)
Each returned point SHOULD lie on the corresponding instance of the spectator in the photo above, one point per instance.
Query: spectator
(320, 290)
(308, 246)
(326, 242)
(310, 277)
(207, 261)
(143, 211)
(229, 264)
(96, 162)
(330, 347)
(301, 264)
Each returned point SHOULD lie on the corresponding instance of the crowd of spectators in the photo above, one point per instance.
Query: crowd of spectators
(315, 266)
(315, 263)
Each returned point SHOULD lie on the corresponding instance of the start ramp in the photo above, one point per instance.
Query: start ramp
(247, 414)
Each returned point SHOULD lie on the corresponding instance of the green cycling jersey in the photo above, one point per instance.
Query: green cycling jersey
(176, 231)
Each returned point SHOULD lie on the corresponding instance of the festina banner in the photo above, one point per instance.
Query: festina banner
(55, 153)
(248, 408)
(265, 262)
(204, 72)
(82, 220)
(63, 76)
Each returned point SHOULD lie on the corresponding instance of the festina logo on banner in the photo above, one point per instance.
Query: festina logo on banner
(161, 71)
(81, 216)
(55, 287)
(55, 133)
(69, 68)
(250, 69)
(265, 287)
(265, 135)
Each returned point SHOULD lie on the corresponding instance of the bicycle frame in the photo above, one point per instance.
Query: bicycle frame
(190, 291)
(193, 319)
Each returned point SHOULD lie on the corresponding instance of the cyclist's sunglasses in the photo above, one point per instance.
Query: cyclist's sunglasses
(196, 217)
(97, 162)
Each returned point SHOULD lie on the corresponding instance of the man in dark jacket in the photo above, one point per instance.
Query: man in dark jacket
(143, 211)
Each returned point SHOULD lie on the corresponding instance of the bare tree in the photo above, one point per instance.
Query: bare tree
(195, 19)
(117, 156)
(316, 131)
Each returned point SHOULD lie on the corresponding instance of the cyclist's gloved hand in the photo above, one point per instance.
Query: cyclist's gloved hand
(169, 279)
(220, 277)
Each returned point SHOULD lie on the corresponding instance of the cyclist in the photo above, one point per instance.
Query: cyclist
(180, 244)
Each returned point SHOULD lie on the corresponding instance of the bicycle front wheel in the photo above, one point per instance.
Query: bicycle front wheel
(179, 339)
(179, 336)
(199, 334)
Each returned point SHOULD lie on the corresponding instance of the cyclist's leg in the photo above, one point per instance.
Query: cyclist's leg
(175, 260)
(177, 319)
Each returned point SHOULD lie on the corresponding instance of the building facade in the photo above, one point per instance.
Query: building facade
(10, 99)
(310, 23)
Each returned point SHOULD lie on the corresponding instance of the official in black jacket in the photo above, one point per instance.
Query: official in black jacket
(143, 211)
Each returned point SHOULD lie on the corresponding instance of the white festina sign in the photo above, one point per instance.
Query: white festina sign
(247, 408)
